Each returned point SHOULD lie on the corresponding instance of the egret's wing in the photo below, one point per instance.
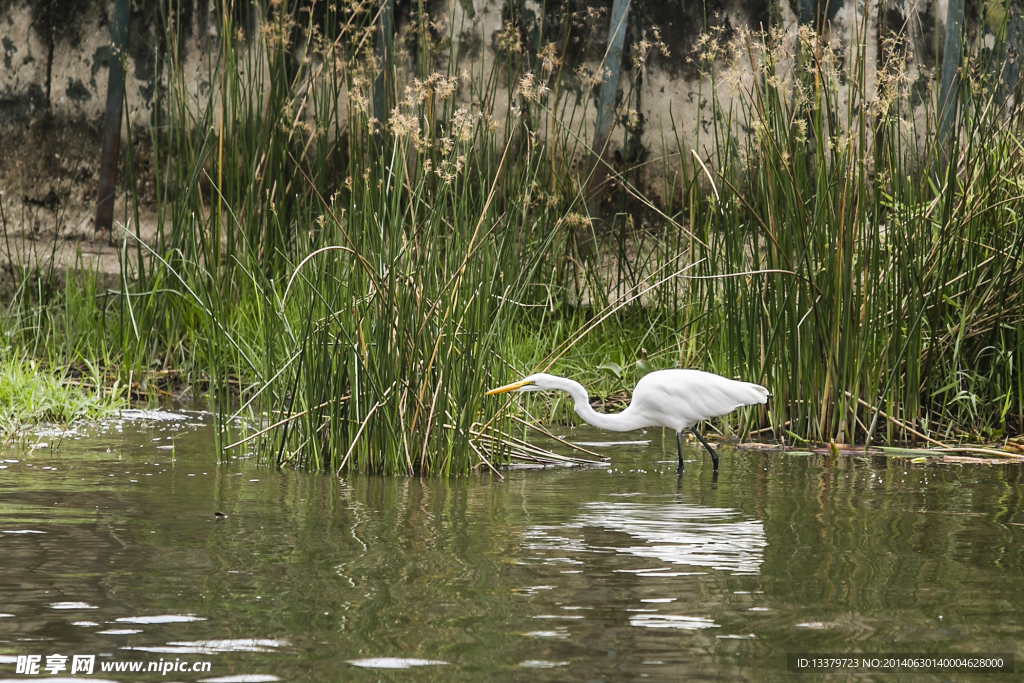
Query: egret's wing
(681, 398)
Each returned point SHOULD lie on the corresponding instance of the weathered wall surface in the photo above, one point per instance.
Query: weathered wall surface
(56, 53)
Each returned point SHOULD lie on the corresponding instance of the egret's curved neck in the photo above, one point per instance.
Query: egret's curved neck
(615, 422)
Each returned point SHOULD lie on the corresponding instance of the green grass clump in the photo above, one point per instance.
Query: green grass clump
(31, 394)
(58, 362)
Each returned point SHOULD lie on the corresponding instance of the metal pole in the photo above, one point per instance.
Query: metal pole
(112, 118)
(951, 56)
(382, 85)
(605, 114)
(1012, 51)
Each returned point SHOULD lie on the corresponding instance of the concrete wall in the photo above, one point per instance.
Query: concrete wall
(55, 57)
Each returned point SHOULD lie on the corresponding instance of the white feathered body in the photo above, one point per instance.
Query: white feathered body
(679, 399)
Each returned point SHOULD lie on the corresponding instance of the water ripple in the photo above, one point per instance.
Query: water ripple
(212, 647)
(161, 619)
(393, 662)
(671, 621)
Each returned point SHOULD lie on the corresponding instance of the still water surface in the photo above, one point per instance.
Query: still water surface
(109, 546)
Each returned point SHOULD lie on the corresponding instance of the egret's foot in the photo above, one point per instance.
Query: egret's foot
(714, 456)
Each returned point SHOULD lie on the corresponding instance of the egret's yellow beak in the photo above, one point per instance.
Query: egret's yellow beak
(510, 387)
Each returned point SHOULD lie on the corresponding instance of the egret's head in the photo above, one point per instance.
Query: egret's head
(536, 382)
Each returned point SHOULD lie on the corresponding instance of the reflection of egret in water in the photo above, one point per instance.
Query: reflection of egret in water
(680, 534)
(690, 535)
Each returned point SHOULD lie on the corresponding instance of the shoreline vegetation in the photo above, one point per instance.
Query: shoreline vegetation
(30, 394)
(352, 246)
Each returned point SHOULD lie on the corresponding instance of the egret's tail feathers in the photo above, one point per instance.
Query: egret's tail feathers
(758, 394)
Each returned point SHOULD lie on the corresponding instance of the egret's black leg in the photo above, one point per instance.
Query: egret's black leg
(679, 446)
(714, 456)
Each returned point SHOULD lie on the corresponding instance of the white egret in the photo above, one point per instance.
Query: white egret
(677, 399)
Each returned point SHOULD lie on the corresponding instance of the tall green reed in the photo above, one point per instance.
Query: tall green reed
(361, 271)
(891, 281)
